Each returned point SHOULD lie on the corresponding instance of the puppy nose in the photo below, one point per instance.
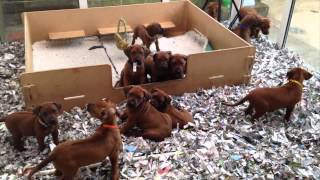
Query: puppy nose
(131, 103)
(52, 121)
(89, 107)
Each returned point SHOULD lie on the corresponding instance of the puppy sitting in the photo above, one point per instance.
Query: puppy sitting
(246, 27)
(162, 102)
(147, 39)
(263, 25)
(69, 156)
(39, 123)
(133, 72)
(158, 66)
(154, 124)
(264, 100)
(177, 66)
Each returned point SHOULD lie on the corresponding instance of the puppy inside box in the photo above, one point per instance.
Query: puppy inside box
(72, 53)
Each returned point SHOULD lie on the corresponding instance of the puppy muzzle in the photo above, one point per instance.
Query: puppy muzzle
(132, 103)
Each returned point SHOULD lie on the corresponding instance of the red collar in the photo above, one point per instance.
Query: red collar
(110, 126)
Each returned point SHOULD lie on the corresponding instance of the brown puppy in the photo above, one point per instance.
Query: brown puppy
(141, 32)
(39, 123)
(134, 72)
(244, 28)
(158, 66)
(212, 9)
(162, 102)
(177, 66)
(264, 100)
(154, 124)
(69, 156)
(154, 29)
(263, 25)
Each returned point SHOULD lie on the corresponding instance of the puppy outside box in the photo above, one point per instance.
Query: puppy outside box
(230, 63)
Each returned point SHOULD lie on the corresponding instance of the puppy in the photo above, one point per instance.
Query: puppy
(154, 124)
(69, 156)
(162, 102)
(177, 66)
(158, 66)
(264, 100)
(39, 123)
(244, 28)
(212, 9)
(134, 72)
(263, 25)
(141, 32)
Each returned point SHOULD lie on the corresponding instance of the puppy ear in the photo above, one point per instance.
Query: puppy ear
(306, 75)
(290, 74)
(59, 106)
(168, 99)
(127, 51)
(36, 110)
(185, 57)
(126, 90)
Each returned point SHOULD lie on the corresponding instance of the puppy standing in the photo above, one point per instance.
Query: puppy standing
(154, 124)
(39, 123)
(263, 25)
(158, 66)
(134, 72)
(69, 156)
(177, 66)
(264, 100)
(245, 27)
(162, 102)
(147, 39)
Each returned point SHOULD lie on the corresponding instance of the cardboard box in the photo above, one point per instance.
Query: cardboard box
(230, 63)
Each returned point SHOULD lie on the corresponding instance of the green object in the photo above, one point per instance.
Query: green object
(226, 3)
(209, 47)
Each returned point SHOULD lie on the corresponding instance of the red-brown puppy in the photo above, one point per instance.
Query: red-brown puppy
(39, 123)
(141, 32)
(134, 72)
(158, 66)
(264, 100)
(154, 124)
(263, 25)
(69, 156)
(177, 66)
(212, 9)
(246, 25)
(162, 102)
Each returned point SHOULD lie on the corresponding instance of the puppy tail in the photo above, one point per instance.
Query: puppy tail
(42, 164)
(238, 103)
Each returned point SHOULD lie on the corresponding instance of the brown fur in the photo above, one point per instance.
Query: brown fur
(263, 25)
(244, 28)
(141, 32)
(154, 124)
(162, 102)
(264, 100)
(155, 29)
(136, 54)
(178, 66)
(158, 66)
(212, 9)
(39, 123)
(69, 156)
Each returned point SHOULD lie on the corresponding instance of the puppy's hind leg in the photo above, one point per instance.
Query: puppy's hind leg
(257, 115)
(249, 110)
(115, 166)
(17, 142)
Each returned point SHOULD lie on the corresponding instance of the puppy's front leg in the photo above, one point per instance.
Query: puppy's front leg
(288, 113)
(55, 136)
(115, 166)
(40, 139)
(127, 125)
(157, 45)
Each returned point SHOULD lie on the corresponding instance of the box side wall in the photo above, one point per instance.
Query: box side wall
(231, 66)
(27, 44)
(218, 35)
(89, 20)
